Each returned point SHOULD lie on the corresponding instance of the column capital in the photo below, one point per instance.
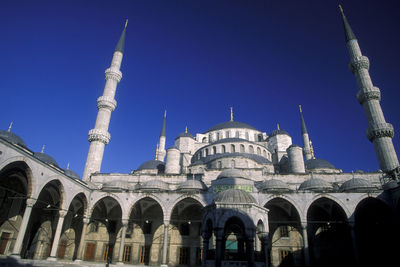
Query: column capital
(62, 213)
(30, 202)
(304, 225)
(125, 222)
(166, 222)
(86, 220)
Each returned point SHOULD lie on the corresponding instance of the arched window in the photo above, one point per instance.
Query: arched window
(210, 137)
(251, 149)
(218, 136)
(258, 151)
(247, 135)
(206, 152)
(214, 150)
(242, 148)
(260, 137)
(227, 134)
(204, 140)
(264, 153)
(223, 150)
(237, 134)
(233, 149)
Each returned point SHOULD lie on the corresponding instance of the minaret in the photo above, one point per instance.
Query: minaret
(161, 144)
(379, 132)
(99, 136)
(306, 139)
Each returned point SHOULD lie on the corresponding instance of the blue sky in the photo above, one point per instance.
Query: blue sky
(195, 59)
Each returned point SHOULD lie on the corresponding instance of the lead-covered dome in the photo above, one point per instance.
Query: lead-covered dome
(71, 174)
(192, 185)
(274, 185)
(234, 196)
(278, 132)
(356, 185)
(231, 124)
(184, 134)
(45, 158)
(12, 138)
(313, 164)
(315, 184)
(152, 165)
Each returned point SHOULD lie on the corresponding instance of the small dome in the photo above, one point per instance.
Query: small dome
(313, 164)
(315, 184)
(71, 174)
(192, 184)
(152, 165)
(274, 185)
(184, 134)
(356, 184)
(234, 196)
(155, 185)
(278, 132)
(12, 138)
(45, 158)
(232, 173)
(231, 124)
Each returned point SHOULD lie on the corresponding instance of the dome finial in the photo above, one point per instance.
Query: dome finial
(340, 8)
(231, 113)
(68, 166)
(277, 126)
(186, 129)
(312, 150)
(9, 127)
(165, 113)
(300, 108)
(126, 23)
(43, 147)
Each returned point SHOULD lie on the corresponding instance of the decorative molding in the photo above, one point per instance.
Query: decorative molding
(99, 135)
(380, 130)
(106, 102)
(112, 73)
(359, 63)
(368, 94)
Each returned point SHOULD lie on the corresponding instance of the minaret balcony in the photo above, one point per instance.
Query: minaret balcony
(358, 63)
(113, 73)
(99, 135)
(379, 130)
(106, 102)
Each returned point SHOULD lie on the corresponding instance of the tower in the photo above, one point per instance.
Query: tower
(160, 153)
(99, 136)
(306, 139)
(379, 132)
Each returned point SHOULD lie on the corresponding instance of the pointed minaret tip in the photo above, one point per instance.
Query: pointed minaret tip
(121, 42)
(9, 127)
(340, 8)
(165, 113)
(347, 29)
(231, 113)
(43, 147)
(68, 166)
(186, 129)
(126, 23)
(300, 108)
(277, 126)
(163, 128)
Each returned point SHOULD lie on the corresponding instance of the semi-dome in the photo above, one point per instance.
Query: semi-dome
(274, 185)
(192, 185)
(152, 165)
(71, 174)
(356, 184)
(313, 164)
(45, 158)
(231, 124)
(278, 132)
(155, 185)
(232, 173)
(315, 184)
(234, 196)
(12, 138)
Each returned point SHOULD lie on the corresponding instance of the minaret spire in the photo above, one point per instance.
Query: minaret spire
(231, 113)
(9, 127)
(161, 144)
(99, 136)
(379, 132)
(306, 140)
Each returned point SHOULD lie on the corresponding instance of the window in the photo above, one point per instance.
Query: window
(242, 148)
(283, 254)
(214, 150)
(260, 137)
(258, 151)
(227, 134)
(5, 237)
(183, 257)
(233, 149)
(127, 253)
(237, 134)
(199, 255)
(247, 135)
(223, 150)
(147, 227)
(264, 153)
(204, 140)
(206, 152)
(184, 229)
(90, 251)
(144, 254)
(251, 149)
(106, 252)
(61, 249)
(284, 231)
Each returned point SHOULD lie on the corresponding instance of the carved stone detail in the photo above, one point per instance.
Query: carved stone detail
(112, 73)
(106, 102)
(366, 95)
(99, 135)
(380, 130)
(359, 63)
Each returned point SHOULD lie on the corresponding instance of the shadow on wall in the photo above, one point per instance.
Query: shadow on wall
(12, 262)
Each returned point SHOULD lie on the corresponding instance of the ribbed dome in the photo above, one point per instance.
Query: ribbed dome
(313, 164)
(12, 138)
(45, 158)
(278, 132)
(190, 185)
(232, 173)
(234, 196)
(71, 174)
(315, 184)
(231, 124)
(152, 165)
(274, 185)
(155, 185)
(356, 184)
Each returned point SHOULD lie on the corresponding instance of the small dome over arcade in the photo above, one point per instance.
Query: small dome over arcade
(274, 185)
(154, 185)
(316, 185)
(45, 158)
(234, 196)
(152, 165)
(356, 185)
(12, 138)
(71, 174)
(192, 185)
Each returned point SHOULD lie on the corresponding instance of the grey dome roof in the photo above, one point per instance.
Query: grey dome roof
(278, 131)
(312, 164)
(12, 138)
(232, 173)
(234, 196)
(155, 185)
(315, 184)
(356, 184)
(231, 124)
(71, 174)
(152, 165)
(275, 186)
(184, 134)
(45, 158)
(192, 184)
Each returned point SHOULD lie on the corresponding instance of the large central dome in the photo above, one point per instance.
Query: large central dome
(231, 124)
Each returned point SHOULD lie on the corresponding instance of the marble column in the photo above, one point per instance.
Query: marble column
(122, 244)
(22, 229)
(353, 238)
(54, 247)
(165, 245)
(82, 241)
(305, 245)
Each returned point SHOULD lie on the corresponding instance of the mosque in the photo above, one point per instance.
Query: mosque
(233, 195)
